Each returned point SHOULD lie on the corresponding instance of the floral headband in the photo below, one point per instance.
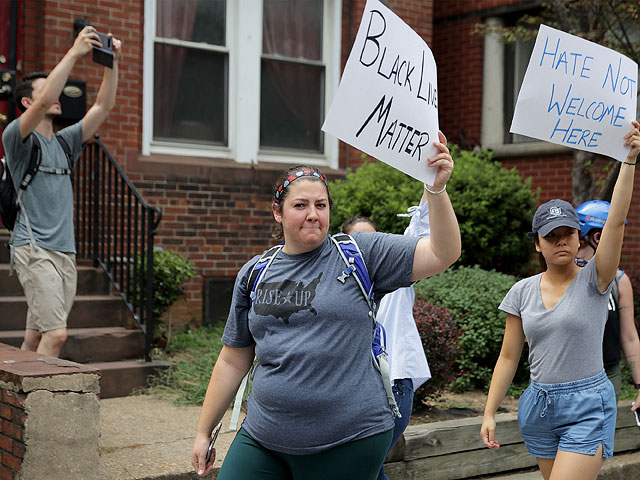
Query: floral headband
(298, 174)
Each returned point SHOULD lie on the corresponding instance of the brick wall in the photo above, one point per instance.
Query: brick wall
(219, 217)
(47, 36)
(459, 55)
(12, 418)
(49, 417)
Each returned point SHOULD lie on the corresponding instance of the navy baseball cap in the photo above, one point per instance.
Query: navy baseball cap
(553, 214)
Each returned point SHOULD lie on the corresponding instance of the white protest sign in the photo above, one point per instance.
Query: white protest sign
(387, 102)
(577, 93)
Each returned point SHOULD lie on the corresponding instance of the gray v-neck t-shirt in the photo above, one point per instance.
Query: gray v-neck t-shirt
(565, 341)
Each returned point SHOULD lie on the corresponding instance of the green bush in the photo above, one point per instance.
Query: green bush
(494, 209)
(472, 295)
(377, 191)
(493, 205)
(170, 272)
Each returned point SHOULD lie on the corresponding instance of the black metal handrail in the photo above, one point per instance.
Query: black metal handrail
(115, 227)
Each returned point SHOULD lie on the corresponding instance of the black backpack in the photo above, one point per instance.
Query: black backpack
(9, 205)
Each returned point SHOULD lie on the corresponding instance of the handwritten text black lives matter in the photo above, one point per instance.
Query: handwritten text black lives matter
(396, 135)
(579, 117)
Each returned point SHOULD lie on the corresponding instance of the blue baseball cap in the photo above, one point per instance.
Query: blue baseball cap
(553, 214)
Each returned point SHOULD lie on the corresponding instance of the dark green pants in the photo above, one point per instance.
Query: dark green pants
(357, 460)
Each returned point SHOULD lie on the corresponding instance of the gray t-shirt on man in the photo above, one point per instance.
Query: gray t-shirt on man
(316, 386)
(565, 341)
(48, 200)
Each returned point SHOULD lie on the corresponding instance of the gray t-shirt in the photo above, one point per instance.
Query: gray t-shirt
(565, 341)
(48, 200)
(315, 386)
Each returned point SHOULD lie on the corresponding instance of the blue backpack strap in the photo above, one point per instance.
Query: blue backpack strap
(259, 270)
(255, 277)
(352, 256)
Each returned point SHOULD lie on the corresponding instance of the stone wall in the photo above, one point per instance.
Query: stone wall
(50, 417)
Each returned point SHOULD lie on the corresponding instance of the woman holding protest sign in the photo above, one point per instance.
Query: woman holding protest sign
(318, 408)
(567, 414)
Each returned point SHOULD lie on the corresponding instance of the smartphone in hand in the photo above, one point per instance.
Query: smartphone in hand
(104, 54)
(216, 431)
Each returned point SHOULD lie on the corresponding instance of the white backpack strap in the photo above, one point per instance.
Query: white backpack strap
(237, 404)
(55, 171)
(383, 367)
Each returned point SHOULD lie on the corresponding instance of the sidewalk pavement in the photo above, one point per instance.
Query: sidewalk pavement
(144, 437)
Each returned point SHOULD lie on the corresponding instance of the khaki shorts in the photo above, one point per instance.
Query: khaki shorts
(49, 280)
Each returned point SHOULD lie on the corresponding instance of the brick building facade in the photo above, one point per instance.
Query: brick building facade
(216, 208)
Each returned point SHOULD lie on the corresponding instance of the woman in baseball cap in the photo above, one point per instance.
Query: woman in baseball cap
(567, 415)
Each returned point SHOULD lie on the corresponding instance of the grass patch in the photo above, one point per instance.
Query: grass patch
(192, 355)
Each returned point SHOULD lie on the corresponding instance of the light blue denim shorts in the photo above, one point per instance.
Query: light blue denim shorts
(573, 417)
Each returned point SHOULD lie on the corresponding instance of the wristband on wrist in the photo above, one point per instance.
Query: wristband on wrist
(629, 163)
(432, 192)
(637, 386)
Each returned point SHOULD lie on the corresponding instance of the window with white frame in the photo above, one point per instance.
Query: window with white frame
(504, 69)
(516, 60)
(190, 72)
(244, 79)
(292, 75)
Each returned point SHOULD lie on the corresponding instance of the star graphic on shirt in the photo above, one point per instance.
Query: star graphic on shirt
(287, 299)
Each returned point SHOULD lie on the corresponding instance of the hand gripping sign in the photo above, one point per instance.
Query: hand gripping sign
(387, 102)
(577, 93)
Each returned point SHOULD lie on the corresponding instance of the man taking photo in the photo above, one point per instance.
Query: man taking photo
(43, 245)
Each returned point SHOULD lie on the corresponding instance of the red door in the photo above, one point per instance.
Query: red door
(9, 59)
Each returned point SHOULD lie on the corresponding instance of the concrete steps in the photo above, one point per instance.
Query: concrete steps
(101, 330)
(91, 281)
(124, 377)
(86, 345)
(87, 311)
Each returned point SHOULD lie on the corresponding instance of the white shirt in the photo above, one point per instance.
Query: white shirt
(404, 347)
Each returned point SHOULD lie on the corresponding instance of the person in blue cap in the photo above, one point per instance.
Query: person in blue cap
(620, 333)
(567, 414)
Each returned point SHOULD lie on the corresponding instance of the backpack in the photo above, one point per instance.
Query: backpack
(10, 200)
(356, 268)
